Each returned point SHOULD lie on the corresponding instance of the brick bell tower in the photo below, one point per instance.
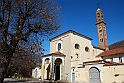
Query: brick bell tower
(101, 28)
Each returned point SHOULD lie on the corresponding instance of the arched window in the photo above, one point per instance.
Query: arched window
(101, 40)
(59, 46)
(47, 61)
(77, 46)
(86, 49)
(77, 55)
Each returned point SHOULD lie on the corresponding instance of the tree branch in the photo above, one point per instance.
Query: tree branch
(8, 13)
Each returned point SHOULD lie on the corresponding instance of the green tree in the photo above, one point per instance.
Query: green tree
(23, 20)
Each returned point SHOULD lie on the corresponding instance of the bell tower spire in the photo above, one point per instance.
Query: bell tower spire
(101, 28)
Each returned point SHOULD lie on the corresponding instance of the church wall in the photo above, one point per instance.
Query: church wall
(113, 74)
(83, 75)
(74, 57)
(83, 42)
(66, 45)
(96, 52)
(79, 55)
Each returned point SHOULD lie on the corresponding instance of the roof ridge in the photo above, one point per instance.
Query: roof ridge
(74, 32)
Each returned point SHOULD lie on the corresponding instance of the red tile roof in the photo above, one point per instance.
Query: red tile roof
(104, 62)
(112, 52)
(94, 61)
(55, 53)
(81, 67)
(59, 53)
(109, 63)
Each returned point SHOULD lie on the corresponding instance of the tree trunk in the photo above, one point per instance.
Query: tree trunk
(2, 73)
(5, 56)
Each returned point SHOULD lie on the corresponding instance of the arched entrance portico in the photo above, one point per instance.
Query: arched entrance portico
(94, 75)
(53, 66)
(57, 66)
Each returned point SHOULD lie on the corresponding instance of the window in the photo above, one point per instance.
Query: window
(76, 46)
(98, 14)
(86, 49)
(71, 57)
(47, 61)
(73, 68)
(111, 59)
(76, 55)
(120, 59)
(101, 40)
(59, 46)
(99, 27)
(100, 30)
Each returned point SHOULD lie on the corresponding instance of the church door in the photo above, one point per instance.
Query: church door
(94, 75)
(58, 62)
(73, 77)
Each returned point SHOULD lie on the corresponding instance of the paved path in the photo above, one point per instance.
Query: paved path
(13, 80)
(29, 80)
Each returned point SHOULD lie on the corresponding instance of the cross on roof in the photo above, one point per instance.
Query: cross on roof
(98, 4)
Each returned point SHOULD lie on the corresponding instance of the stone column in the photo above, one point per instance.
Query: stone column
(42, 70)
(63, 72)
(53, 59)
(51, 70)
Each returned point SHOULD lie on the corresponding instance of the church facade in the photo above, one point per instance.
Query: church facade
(70, 49)
(73, 58)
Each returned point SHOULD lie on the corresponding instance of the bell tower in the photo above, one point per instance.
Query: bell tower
(101, 28)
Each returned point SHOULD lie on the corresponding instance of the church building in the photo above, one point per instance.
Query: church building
(73, 58)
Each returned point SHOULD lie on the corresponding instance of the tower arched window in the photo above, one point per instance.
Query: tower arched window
(98, 15)
(101, 40)
(100, 30)
(59, 46)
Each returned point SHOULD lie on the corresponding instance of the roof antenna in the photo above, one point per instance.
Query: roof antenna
(98, 4)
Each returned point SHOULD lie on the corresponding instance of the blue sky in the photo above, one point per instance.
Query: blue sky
(80, 16)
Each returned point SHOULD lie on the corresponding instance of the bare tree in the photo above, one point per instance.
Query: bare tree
(23, 62)
(23, 20)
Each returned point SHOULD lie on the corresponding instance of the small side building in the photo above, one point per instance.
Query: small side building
(113, 65)
(36, 73)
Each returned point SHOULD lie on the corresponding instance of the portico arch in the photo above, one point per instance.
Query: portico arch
(57, 66)
(53, 66)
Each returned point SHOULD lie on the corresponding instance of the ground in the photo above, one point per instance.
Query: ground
(15, 80)
(26, 80)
